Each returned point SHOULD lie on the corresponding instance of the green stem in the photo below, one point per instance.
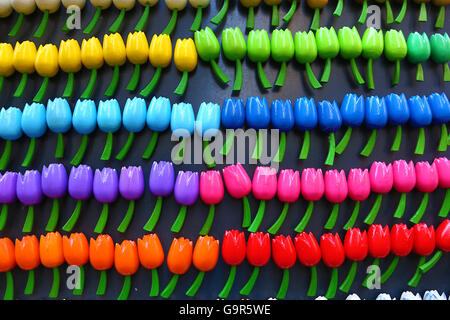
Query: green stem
(445, 208)
(288, 16)
(351, 222)
(114, 82)
(363, 16)
(262, 76)
(376, 262)
(154, 290)
(356, 75)
(68, 91)
(402, 13)
(229, 284)
(182, 85)
(28, 225)
(197, 23)
(134, 81)
(441, 18)
(218, 72)
(258, 218)
(332, 287)
(275, 18)
(305, 147)
(277, 225)
(419, 72)
(74, 217)
(311, 77)
(424, 268)
(143, 20)
(418, 274)
(42, 26)
(257, 152)
(180, 153)
(118, 22)
(9, 291)
(401, 207)
(229, 143)
(374, 211)
(87, 93)
(54, 291)
(247, 216)
(54, 216)
(196, 284)
(284, 285)
(80, 283)
(101, 223)
(370, 81)
(4, 160)
(420, 146)
(442, 147)
(42, 90)
(209, 220)
(331, 151)
(446, 72)
(423, 12)
(304, 222)
(398, 139)
(346, 285)
(221, 14)
(387, 274)
(326, 71)
(125, 292)
(127, 219)
(179, 221)
(152, 84)
(173, 21)
(167, 292)
(247, 289)
(342, 145)
(3, 216)
(81, 151)
(421, 210)
(2, 82)
(151, 146)
(389, 14)
(94, 21)
(126, 148)
(312, 289)
(21, 87)
(333, 217)
(368, 148)
(338, 11)
(15, 30)
(315, 24)
(281, 75)
(207, 157)
(29, 288)
(279, 156)
(154, 217)
(250, 19)
(396, 78)
(59, 153)
(101, 288)
(106, 155)
(238, 77)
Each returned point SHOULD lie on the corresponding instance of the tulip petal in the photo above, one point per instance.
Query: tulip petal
(221, 14)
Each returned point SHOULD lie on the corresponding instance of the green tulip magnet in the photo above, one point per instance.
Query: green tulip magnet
(282, 49)
(328, 48)
(395, 49)
(419, 51)
(235, 48)
(258, 45)
(350, 49)
(372, 48)
(305, 53)
(440, 52)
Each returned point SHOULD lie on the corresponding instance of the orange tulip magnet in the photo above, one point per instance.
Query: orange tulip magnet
(101, 258)
(52, 256)
(126, 261)
(7, 263)
(151, 256)
(76, 253)
(28, 258)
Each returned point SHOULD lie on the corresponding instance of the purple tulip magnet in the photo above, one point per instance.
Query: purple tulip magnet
(186, 192)
(106, 189)
(54, 186)
(29, 192)
(8, 182)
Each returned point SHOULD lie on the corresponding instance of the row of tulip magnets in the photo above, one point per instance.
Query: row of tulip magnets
(30, 187)
(355, 110)
(53, 250)
(26, 7)
(283, 47)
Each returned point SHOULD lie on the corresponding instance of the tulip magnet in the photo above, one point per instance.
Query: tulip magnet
(186, 192)
(137, 54)
(235, 48)
(131, 187)
(211, 193)
(92, 59)
(23, 8)
(23, 61)
(143, 20)
(208, 49)
(404, 181)
(28, 258)
(427, 180)
(284, 256)
(105, 189)
(305, 116)
(101, 258)
(257, 115)
(109, 120)
(99, 6)
(158, 120)
(424, 245)
(375, 117)
(11, 130)
(443, 165)
(6, 62)
(333, 255)
(174, 6)
(221, 14)
(328, 48)
(398, 111)
(440, 52)
(258, 46)
(205, 256)
(115, 55)
(29, 193)
(185, 58)
(160, 55)
(161, 184)
(8, 194)
(358, 184)
(352, 112)
(199, 5)
(59, 120)
(232, 118)
(123, 6)
(282, 118)
(440, 111)
(395, 49)
(419, 51)
(330, 120)
(372, 48)
(316, 5)
(288, 16)
(47, 66)
(250, 5)
(182, 122)
(126, 262)
(282, 50)
(305, 53)
(84, 121)
(309, 255)
(336, 191)
(420, 117)
(69, 58)
(207, 126)
(52, 257)
(179, 260)
(54, 186)
(442, 243)
(48, 7)
(151, 256)
(76, 253)
(351, 48)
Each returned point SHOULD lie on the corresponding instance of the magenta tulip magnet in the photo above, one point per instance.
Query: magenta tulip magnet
(54, 186)
(427, 180)
(106, 190)
(211, 193)
(404, 181)
(336, 190)
(358, 184)
(131, 187)
(381, 182)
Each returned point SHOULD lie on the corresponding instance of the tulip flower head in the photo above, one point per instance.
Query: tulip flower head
(101, 258)
(115, 55)
(305, 49)
(69, 58)
(258, 48)
(182, 123)
(282, 50)
(441, 115)
(59, 120)
(131, 187)
(8, 194)
(381, 182)
(328, 48)
(379, 239)
(376, 117)
(330, 120)
(105, 189)
(398, 114)
(54, 186)
(6, 62)
(305, 116)
(46, 6)
(151, 256)
(158, 120)
(211, 193)
(404, 181)
(395, 49)
(420, 117)
(126, 262)
(109, 120)
(424, 245)
(427, 180)
(29, 193)
(372, 48)
(316, 5)
(333, 255)
(284, 256)
(257, 115)
(440, 45)
(84, 121)
(309, 255)
(143, 20)
(235, 48)
(137, 54)
(443, 169)
(358, 184)
(92, 59)
(185, 58)
(207, 125)
(352, 111)
(23, 61)
(232, 117)
(174, 6)
(7, 263)
(351, 48)
(419, 51)
(11, 129)
(52, 256)
(28, 258)
(186, 191)
(76, 253)
(22, 7)
(336, 191)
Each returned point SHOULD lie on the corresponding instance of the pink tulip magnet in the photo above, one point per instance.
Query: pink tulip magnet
(336, 191)
(381, 181)
(443, 169)
(211, 193)
(404, 181)
(427, 181)
(358, 184)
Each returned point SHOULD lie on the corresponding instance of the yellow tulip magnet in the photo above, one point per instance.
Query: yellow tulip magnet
(160, 56)
(92, 59)
(137, 54)
(6, 62)
(174, 6)
(69, 57)
(23, 61)
(185, 58)
(46, 6)
(115, 55)
(123, 6)
(47, 66)
(143, 20)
